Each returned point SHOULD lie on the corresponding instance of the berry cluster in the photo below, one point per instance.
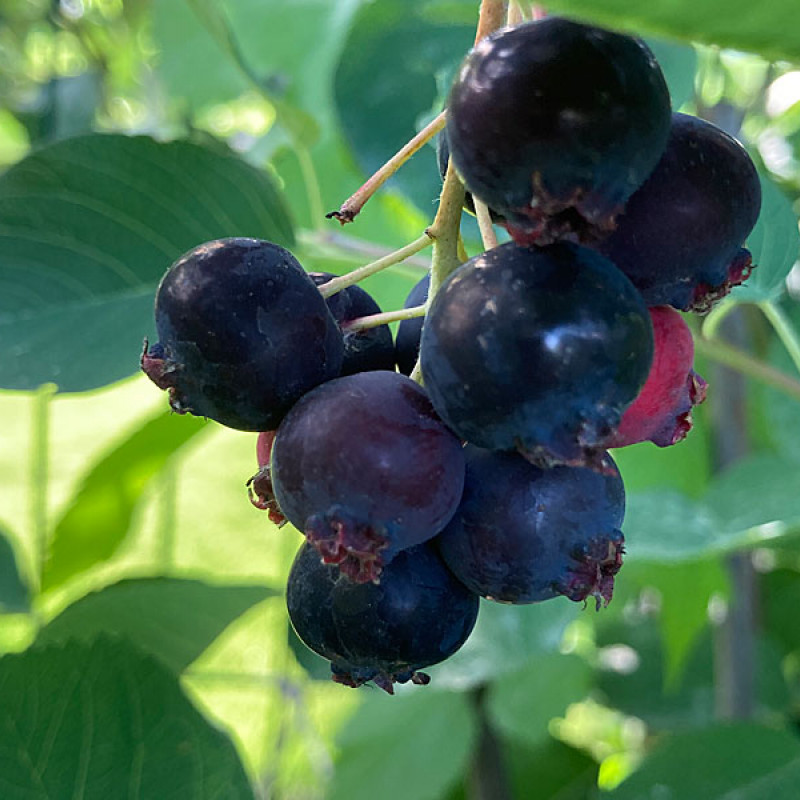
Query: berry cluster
(493, 478)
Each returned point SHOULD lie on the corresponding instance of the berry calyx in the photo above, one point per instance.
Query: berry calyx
(417, 616)
(554, 124)
(259, 486)
(523, 534)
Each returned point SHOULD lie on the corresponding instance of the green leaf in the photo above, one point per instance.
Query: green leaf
(664, 526)
(414, 745)
(97, 520)
(678, 62)
(103, 720)
(781, 411)
(192, 62)
(774, 244)
(521, 704)
(386, 82)
(757, 496)
(14, 591)
(87, 228)
(173, 619)
(749, 504)
(771, 28)
(505, 639)
(558, 772)
(724, 762)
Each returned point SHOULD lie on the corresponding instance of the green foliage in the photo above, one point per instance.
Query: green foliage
(134, 131)
(741, 761)
(98, 519)
(95, 720)
(769, 28)
(410, 746)
(89, 226)
(14, 592)
(151, 613)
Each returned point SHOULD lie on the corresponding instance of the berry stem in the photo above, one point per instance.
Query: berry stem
(351, 207)
(714, 319)
(337, 284)
(743, 362)
(785, 330)
(492, 16)
(374, 320)
(488, 235)
(515, 13)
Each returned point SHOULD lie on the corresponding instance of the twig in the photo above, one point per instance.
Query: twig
(351, 207)
(337, 284)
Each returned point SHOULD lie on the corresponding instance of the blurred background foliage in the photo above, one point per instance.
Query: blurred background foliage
(138, 585)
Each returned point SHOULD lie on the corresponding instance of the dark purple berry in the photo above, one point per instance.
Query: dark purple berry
(364, 350)
(417, 616)
(680, 238)
(536, 349)
(554, 124)
(243, 334)
(365, 468)
(443, 160)
(523, 534)
(406, 344)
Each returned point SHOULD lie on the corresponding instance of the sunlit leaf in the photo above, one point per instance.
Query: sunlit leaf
(87, 228)
(396, 748)
(97, 721)
(14, 591)
(771, 28)
(97, 520)
(740, 761)
(173, 619)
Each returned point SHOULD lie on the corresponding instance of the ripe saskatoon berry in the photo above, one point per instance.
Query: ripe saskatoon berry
(536, 349)
(243, 334)
(417, 616)
(443, 160)
(522, 534)
(406, 344)
(662, 412)
(364, 350)
(364, 467)
(259, 487)
(680, 238)
(554, 125)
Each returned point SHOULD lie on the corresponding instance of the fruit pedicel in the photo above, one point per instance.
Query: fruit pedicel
(486, 474)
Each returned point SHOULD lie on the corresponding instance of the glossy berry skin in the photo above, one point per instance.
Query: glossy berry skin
(443, 160)
(554, 124)
(680, 238)
(406, 345)
(365, 350)
(365, 468)
(243, 334)
(662, 411)
(417, 616)
(522, 534)
(536, 349)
